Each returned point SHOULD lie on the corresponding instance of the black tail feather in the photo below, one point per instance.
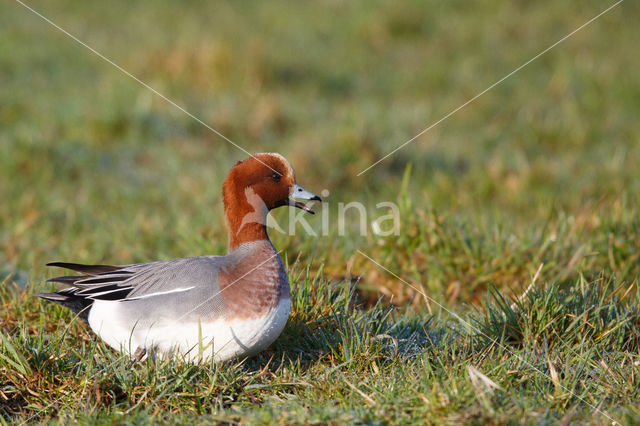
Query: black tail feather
(68, 279)
(100, 282)
(86, 269)
(67, 298)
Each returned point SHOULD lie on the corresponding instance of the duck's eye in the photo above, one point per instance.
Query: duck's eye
(276, 177)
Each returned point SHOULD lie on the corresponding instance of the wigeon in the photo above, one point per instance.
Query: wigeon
(199, 307)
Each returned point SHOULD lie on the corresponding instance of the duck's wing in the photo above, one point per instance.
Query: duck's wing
(99, 282)
(135, 282)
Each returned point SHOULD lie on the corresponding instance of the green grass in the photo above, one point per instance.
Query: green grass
(541, 170)
(558, 354)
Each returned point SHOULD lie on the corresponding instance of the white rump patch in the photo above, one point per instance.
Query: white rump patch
(220, 339)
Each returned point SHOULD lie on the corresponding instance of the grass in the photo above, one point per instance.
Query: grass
(541, 170)
(557, 355)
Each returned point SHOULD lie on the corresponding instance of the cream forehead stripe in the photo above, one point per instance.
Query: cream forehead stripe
(280, 158)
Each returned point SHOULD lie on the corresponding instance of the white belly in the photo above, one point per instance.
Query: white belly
(220, 339)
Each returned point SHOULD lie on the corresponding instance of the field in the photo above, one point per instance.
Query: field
(533, 185)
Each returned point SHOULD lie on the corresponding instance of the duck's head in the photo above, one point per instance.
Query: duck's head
(264, 181)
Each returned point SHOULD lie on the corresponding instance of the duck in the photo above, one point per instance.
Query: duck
(198, 308)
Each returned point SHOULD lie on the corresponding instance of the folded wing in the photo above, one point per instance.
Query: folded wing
(197, 275)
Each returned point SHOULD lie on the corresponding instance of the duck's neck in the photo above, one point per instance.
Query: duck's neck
(246, 223)
(245, 233)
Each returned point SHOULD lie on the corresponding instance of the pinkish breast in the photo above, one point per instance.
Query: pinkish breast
(253, 284)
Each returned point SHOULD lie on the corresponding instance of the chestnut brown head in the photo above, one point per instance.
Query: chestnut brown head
(267, 177)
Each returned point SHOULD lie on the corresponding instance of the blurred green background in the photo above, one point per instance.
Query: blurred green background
(541, 169)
